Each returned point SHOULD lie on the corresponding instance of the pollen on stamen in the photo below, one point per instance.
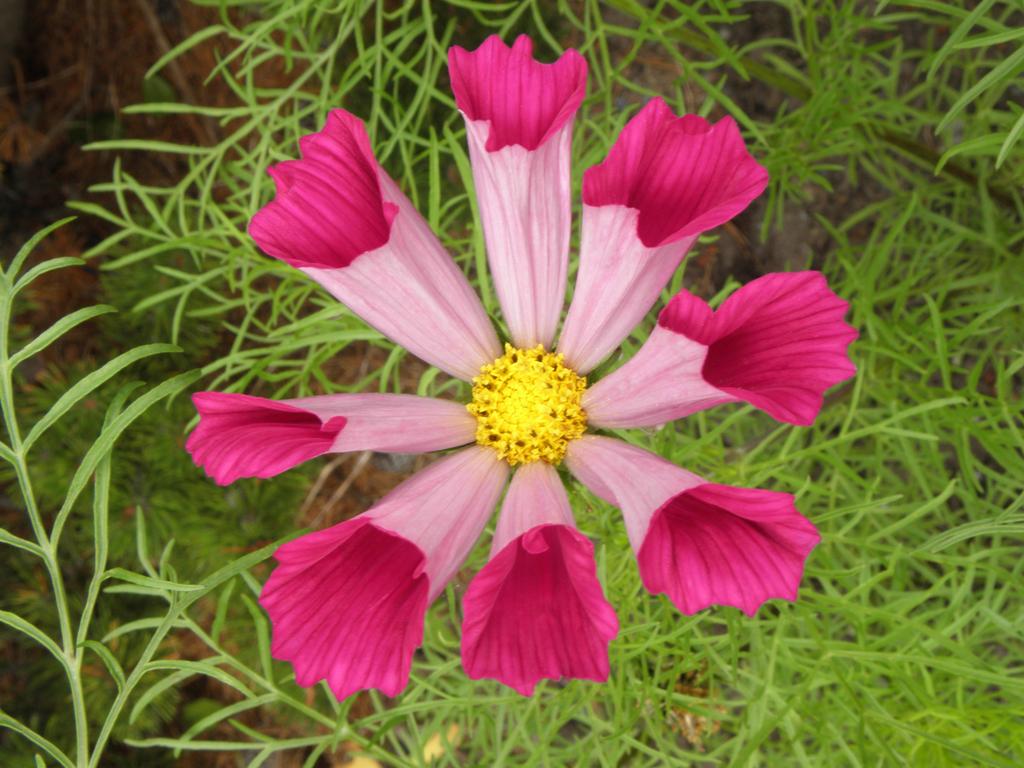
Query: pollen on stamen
(528, 405)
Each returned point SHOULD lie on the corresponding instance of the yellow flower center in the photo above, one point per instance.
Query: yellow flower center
(527, 406)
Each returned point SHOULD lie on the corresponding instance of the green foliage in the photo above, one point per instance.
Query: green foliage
(149, 475)
(64, 625)
(891, 126)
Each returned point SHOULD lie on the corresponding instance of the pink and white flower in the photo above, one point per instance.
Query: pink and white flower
(347, 603)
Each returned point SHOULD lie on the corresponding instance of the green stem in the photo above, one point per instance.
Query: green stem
(49, 554)
(257, 678)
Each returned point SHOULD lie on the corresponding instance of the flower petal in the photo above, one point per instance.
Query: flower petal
(245, 436)
(347, 603)
(700, 543)
(635, 480)
(665, 181)
(617, 282)
(342, 220)
(328, 209)
(524, 101)
(443, 509)
(683, 174)
(719, 545)
(394, 423)
(777, 343)
(660, 383)
(536, 610)
(535, 496)
(518, 115)
(347, 606)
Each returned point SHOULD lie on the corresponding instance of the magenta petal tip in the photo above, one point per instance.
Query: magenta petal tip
(720, 545)
(244, 436)
(683, 174)
(347, 606)
(778, 343)
(525, 101)
(537, 611)
(329, 207)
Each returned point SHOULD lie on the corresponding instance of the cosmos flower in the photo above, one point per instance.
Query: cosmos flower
(347, 603)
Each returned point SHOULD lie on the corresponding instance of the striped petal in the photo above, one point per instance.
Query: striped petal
(536, 610)
(720, 545)
(343, 221)
(665, 181)
(778, 343)
(519, 117)
(347, 603)
(700, 543)
(244, 436)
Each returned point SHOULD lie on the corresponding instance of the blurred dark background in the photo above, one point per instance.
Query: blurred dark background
(67, 68)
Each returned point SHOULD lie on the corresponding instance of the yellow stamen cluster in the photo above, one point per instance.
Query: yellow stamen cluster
(527, 405)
